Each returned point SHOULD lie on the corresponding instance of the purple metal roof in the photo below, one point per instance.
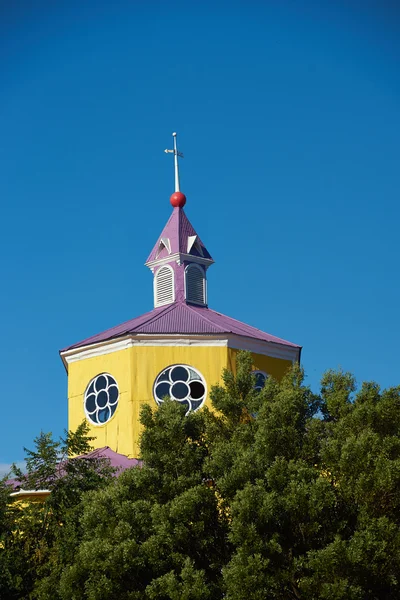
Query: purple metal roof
(178, 229)
(180, 317)
(120, 462)
(117, 461)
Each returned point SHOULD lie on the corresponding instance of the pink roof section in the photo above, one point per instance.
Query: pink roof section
(181, 318)
(178, 229)
(119, 462)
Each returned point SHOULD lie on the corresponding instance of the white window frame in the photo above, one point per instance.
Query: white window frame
(157, 304)
(87, 414)
(201, 378)
(164, 243)
(203, 272)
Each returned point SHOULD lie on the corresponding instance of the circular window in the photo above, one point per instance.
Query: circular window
(101, 399)
(181, 383)
(261, 378)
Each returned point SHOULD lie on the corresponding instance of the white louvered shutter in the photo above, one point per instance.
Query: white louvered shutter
(195, 285)
(164, 286)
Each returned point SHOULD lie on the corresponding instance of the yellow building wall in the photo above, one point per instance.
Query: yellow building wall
(135, 370)
(275, 367)
(118, 431)
(30, 498)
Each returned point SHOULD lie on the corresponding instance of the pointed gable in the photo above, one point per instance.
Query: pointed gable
(187, 233)
(181, 236)
(164, 247)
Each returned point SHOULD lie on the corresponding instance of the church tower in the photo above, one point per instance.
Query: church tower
(177, 350)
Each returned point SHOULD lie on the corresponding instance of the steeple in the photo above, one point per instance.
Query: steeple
(176, 164)
(179, 259)
(177, 350)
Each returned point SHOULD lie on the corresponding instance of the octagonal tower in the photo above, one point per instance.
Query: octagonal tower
(178, 349)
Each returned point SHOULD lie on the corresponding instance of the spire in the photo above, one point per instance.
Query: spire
(179, 238)
(178, 200)
(176, 155)
(179, 260)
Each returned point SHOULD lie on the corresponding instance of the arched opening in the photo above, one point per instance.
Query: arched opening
(164, 289)
(195, 284)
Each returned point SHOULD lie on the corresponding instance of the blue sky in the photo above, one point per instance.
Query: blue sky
(288, 116)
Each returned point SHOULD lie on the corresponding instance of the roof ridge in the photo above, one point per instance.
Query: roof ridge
(155, 247)
(236, 320)
(181, 215)
(162, 312)
(186, 219)
(93, 452)
(183, 222)
(252, 326)
(192, 309)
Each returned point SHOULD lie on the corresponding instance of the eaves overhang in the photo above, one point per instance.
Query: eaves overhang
(26, 493)
(179, 258)
(229, 340)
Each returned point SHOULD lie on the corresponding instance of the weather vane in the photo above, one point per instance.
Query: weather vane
(176, 154)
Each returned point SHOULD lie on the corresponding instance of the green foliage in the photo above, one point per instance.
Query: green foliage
(279, 494)
(314, 501)
(158, 532)
(30, 532)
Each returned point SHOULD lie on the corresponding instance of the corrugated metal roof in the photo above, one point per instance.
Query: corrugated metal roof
(181, 318)
(178, 229)
(117, 461)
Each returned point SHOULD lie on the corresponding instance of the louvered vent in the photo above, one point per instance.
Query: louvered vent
(195, 284)
(164, 286)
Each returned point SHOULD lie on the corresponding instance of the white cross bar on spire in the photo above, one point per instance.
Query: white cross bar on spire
(176, 154)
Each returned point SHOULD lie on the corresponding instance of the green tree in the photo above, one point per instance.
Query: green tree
(158, 532)
(29, 531)
(8, 515)
(279, 494)
(312, 485)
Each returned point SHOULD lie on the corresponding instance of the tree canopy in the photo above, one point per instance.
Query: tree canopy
(30, 531)
(279, 493)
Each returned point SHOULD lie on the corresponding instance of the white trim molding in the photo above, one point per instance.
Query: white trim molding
(229, 340)
(22, 493)
(164, 243)
(179, 258)
(193, 242)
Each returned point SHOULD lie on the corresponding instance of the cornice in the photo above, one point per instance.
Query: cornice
(179, 258)
(22, 493)
(230, 340)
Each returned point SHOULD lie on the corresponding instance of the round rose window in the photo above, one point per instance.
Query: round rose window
(101, 399)
(261, 378)
(181, 383)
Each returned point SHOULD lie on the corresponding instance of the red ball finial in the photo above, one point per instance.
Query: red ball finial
(178, 200)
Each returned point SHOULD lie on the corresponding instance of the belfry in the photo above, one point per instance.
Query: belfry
(177, 350)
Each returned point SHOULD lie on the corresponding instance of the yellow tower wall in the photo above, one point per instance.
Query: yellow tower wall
(274, 367)
(118, 432)
(135, 370)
